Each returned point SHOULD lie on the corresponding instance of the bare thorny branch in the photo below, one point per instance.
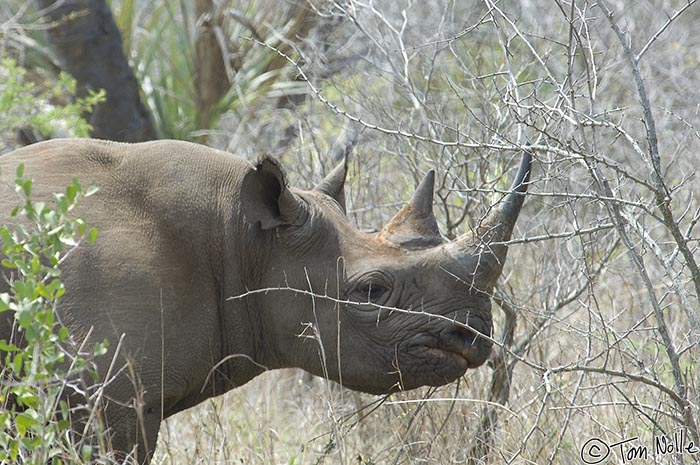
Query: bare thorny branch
(574, 336)
(628, 216)
(663, 198)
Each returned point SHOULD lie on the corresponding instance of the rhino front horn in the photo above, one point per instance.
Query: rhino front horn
(414, 226)
(488, 241)
(514, 201)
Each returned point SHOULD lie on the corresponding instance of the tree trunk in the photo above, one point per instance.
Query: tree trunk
(210, 77)
(89, 46)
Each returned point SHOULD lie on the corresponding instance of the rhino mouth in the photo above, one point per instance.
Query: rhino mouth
(467, 345)
(444, 354)
(468, 357)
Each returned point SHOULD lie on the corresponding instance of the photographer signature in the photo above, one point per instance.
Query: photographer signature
(595, 450)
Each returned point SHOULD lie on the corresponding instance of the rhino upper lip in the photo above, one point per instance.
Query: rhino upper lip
(466, 352)
(461, 354)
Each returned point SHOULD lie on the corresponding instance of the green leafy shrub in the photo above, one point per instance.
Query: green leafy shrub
(24, 104)
(41, 364)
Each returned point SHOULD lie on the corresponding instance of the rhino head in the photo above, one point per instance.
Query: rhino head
(377, 312)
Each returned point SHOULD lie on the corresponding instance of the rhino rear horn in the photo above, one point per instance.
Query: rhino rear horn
(414, 226)
(266, 199)
(333, 184)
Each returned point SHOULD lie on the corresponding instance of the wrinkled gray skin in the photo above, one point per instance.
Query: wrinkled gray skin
(183, 228)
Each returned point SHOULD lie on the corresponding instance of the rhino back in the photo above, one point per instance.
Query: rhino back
(164, 212)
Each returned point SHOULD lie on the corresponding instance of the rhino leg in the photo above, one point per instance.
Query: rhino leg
(129, 428)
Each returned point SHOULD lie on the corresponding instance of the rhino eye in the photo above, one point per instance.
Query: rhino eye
(373, 292)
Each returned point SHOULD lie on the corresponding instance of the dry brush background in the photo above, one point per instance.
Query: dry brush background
(598, 311)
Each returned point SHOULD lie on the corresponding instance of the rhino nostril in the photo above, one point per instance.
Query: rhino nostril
(476, 331)
(465, 335)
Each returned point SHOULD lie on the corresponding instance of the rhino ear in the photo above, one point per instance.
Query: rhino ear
(333, 185)
(265, 197)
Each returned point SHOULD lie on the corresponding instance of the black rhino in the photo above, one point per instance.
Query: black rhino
(189, 235)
